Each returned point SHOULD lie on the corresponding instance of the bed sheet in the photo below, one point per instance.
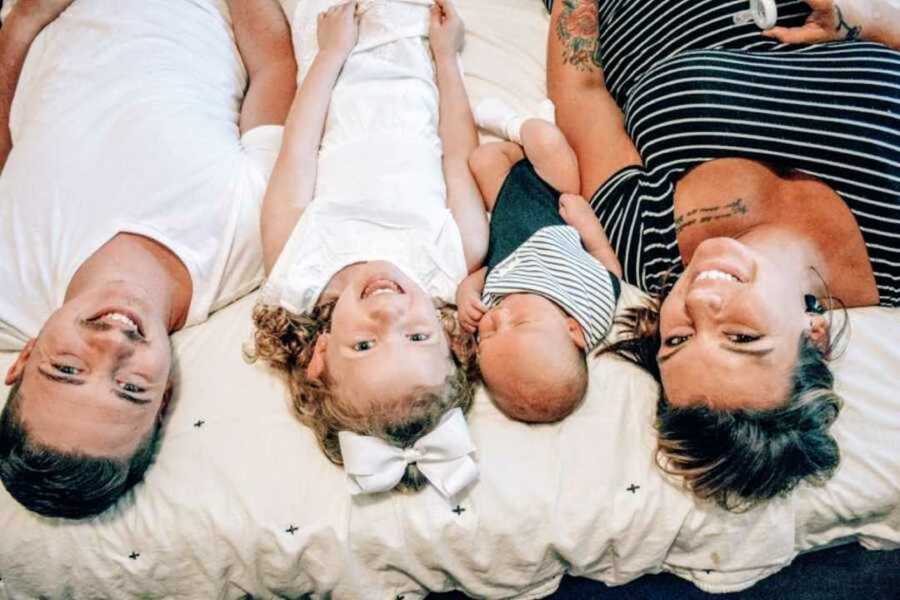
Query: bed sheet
(241, 501)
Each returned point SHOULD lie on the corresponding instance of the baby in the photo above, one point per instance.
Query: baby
(547, 294)
(370, 222)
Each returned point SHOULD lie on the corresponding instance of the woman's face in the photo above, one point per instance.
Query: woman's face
(730, 329)
(386, 339)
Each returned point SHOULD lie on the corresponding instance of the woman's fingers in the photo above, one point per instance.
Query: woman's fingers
(810, 33)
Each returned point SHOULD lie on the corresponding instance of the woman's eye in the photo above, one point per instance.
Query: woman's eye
(675, 340)
(419, 337)
(363, 345)
(132, 388)
(66, 369)
(743, 338)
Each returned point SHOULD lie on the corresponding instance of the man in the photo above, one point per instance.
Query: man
(136, 156)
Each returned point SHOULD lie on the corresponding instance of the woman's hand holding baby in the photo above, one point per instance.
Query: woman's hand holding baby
(576, 211)
(338, 29)
(447, 31)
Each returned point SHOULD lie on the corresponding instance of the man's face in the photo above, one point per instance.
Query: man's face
(95, 378)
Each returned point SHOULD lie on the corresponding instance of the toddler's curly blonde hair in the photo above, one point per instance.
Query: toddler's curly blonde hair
(286, 341)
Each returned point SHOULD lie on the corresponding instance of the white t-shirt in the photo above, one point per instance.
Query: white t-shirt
(380, 192)
(126, 120)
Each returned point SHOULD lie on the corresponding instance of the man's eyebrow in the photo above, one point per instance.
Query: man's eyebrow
(59, 379)
(130, 398)
(758, 353)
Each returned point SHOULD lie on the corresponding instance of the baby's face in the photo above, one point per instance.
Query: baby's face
(526, 342)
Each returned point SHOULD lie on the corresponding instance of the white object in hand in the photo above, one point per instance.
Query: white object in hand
(763, 12)
(444, 456)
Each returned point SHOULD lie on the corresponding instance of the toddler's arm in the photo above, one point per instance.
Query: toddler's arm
(293, 179)
(457, 132)
(577, 212)
(468, 300)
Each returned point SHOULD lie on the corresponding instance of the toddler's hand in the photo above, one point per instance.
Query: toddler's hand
(576, 211)
(338, 29)
(447, 31)
(470, 309)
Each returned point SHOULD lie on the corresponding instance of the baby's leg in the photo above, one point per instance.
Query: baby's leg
(551, 155)
(490, 164)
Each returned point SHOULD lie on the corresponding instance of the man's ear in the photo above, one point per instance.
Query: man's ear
(316, 367)
(819, 332)
(576, 333)
(18, 368)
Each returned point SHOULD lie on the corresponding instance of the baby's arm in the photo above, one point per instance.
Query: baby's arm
(293, 179)
(577, 213)
(468, 300)
(457, 132)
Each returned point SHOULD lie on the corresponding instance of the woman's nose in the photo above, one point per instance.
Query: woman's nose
(703, 301)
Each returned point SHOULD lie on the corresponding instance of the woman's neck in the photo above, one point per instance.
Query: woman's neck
(147, 268)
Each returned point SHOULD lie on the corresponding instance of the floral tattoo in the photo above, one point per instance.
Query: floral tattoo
(577, 28)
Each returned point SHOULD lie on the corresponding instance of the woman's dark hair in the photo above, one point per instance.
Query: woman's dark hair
(64, 484)
(740, 458)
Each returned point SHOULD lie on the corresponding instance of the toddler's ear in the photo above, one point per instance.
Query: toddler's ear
(316, 367)
(576, 333)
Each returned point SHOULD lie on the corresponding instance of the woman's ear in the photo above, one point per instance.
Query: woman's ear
(18, 368)
(316, 367)
(819, 332)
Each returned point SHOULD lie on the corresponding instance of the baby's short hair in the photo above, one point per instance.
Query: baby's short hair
(540, 395)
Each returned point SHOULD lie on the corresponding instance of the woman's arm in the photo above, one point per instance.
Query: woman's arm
(293, 179)
(21, 27)
(831, 20)
(264, 40)
(585, 111)
(458, 134)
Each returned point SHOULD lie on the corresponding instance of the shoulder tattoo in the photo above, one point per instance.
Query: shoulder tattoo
(578, 28)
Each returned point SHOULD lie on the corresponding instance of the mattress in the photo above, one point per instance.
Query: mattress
(242, 502)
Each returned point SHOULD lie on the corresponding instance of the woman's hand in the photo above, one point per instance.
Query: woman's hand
(826, 23)
(447, 31)
(338, 29)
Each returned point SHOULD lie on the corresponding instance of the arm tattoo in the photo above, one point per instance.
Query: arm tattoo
(578, 28)
(853, 32)
(707, 214)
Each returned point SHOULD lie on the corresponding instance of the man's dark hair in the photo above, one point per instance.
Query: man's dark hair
(64, 484)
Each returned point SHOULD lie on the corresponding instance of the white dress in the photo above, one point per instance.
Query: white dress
(380, 192)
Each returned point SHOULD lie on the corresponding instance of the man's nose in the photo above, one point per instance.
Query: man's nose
(111, 341)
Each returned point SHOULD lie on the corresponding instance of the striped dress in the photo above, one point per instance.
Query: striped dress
(694, 87)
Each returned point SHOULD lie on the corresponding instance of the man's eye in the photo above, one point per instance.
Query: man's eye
(363, 345)
(419, 337)
(132, 388)
(743, 338)
(675, 340)
(66, 369)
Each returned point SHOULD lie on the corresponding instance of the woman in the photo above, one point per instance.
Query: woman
(747, 185)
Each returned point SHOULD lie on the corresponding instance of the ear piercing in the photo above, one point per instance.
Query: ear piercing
(763, 12)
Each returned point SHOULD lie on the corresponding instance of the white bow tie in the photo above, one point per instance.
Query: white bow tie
(443, 456)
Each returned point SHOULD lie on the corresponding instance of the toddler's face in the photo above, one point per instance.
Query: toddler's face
(386, 338)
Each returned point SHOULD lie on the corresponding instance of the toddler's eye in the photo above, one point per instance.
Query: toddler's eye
(132, 388)
(419, 337)
(66, 369)
(363, 345)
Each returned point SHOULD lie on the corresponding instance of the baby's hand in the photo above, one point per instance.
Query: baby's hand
(447, 31)
(577, 212)
(338, 29)
(470, 309)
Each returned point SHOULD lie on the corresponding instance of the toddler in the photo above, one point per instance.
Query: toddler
(369, 224)
(547, 294)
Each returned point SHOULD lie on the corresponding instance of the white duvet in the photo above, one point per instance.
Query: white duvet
(241, 500)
